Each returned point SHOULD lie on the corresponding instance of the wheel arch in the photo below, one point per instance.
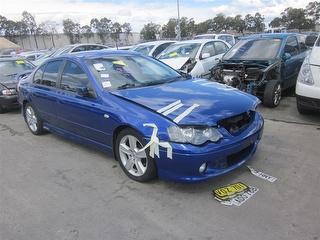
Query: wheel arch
(116, 132)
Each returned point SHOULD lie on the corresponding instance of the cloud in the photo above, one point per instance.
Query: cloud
(139, 12)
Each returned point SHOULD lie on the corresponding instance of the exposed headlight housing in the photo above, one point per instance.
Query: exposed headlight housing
(305, 74)
(8, 92)
(196, 136)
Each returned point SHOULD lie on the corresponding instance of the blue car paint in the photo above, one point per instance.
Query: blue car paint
(84, 120)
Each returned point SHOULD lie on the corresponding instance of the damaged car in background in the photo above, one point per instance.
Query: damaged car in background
(194, 57)
(263, 65)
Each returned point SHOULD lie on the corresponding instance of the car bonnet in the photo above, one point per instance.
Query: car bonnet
(191, 102)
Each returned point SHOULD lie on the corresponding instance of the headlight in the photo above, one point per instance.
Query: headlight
(305, 74)
(8, 92)
(196, 136)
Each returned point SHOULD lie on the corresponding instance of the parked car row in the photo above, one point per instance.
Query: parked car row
(151, 113)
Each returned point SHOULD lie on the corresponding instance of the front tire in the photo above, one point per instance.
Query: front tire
(138, 166)
(272, 94)
(33, 120)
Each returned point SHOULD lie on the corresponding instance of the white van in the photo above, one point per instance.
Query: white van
(308, 82)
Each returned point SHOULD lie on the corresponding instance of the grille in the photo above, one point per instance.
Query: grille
(237, 123)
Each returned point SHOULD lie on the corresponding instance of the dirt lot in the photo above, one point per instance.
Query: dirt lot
(51, 188)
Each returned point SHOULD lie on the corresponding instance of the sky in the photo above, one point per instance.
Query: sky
(140, 12)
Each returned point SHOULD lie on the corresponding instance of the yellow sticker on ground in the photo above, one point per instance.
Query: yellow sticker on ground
(173, 54)
(20, 62)
(230, 190)
(119, 62)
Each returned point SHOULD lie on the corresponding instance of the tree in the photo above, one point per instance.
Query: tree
(102, 27)
(41, 31)
(276, 22)
(72, 30)
(29, 20)
(258, 20)
(116, 29)
(187, 27)
(127, 30)
(150, 31)
(86, 32)
(220, 23)
(249, 22)
(295, 18)
(169, 29)
(313, 10)
(238, 24)
(203, 27)
(50, 28)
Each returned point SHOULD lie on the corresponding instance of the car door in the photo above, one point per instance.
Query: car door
(207, 57)
(44, 92)
(291, 62)
(79, 110)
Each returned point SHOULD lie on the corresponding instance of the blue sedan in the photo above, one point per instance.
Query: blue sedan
(154, 120)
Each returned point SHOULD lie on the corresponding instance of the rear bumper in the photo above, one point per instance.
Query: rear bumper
(221, 157)
(308, 103)
(9, 102)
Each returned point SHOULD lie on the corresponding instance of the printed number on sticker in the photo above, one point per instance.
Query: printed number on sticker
(230, 191)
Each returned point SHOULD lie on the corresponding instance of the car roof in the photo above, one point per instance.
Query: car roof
(271, 35)
(155, 42)
(199, 41)
(97, 54)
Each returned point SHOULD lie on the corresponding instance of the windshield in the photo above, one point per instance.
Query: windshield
(9, 69)
(181, 50)
(143, 49)
(120, 72)
(254, 49)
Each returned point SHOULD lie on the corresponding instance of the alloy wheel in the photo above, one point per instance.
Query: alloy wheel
(135, 162)
(31, 118)
(277, 95)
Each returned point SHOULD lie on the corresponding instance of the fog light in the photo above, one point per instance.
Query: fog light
(203, 168)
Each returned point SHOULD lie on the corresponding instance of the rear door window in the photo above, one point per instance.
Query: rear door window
(73, 78)
(51, 73)
(292, 46)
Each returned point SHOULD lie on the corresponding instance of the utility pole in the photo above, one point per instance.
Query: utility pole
(178, 29)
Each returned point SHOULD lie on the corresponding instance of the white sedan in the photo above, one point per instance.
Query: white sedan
(195, 57)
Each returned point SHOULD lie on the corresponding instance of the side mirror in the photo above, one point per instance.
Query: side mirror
(205, 55)
(310, 40)
(286, 56)
(82, 92)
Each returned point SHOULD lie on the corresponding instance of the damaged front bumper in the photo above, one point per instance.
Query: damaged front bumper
(222, 157)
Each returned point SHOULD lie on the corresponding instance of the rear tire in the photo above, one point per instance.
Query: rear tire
(33, 119)
(139, 167)
(272, 94)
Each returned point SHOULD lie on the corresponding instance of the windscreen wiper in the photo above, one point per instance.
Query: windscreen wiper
(127, 85)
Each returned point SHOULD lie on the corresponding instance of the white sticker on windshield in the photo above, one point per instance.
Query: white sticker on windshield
(106, 84)
(105, 75)
(99, 67)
